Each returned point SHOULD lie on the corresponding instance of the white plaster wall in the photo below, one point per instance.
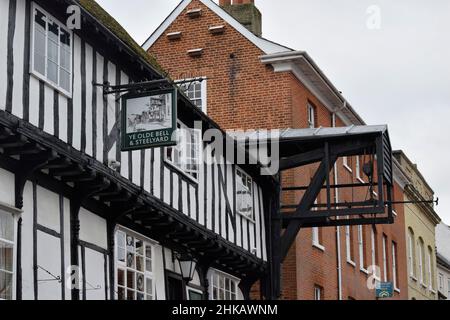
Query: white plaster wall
(49, 258)
(48, 209)
(95, 275)
(7, 187)
(93, 229)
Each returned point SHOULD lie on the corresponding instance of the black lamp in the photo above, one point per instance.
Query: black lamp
(187, 266)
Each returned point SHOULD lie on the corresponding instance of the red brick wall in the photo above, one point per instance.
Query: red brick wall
(243, 93)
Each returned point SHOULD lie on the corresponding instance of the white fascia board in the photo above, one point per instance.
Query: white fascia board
(290, 66)
(291, 58)
(165, 24)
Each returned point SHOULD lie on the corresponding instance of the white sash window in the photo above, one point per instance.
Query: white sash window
(51, 56)
(196, 92)
(7, 244)
(186, 154)
(244, 194)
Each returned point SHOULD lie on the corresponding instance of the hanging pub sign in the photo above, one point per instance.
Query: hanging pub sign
(149, 119)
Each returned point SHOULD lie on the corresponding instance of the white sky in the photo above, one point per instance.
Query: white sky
(398, 74)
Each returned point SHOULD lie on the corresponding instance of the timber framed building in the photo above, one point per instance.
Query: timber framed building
(74, 209)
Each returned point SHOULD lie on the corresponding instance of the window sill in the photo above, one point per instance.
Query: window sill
(350, 262)
(424, 285)
(432, 290)
(319, 246)
(413, 278)
(360, 180)
(40, 77)
(348, 168)
(364, 271)
(397, 290)
(180, 171)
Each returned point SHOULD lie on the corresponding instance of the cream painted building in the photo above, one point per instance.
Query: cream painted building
(420, 224)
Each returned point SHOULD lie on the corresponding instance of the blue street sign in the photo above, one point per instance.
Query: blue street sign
(384, 290)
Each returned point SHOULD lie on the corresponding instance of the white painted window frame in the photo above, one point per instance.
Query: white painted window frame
(212, 285)
(203, 88)
(118, 264)
(348, 240)
(361, 244)
(421, 262)
(315, 232)
(394, 267)
(430, 271)
(16, 213)
(318, 293)
(35, 73)
(181, 147)
(358, 170)
(242, 172)
(384, 244)
(311, 113)
(411, 260)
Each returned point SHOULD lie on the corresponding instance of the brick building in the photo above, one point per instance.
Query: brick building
(249, 83)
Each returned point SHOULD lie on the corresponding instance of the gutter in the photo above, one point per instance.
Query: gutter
(291, 56)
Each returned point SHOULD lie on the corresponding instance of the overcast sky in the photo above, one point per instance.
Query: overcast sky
(394, 72)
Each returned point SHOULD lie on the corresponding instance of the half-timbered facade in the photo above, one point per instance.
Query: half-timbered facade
(79, 218)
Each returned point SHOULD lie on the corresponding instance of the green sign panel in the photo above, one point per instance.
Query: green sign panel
(384, 290)
(149, 119)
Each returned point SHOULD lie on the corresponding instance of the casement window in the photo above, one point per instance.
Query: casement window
(441, 282)
(350, 245)
(311, 116)
(430, 269)
(244, 194)
(362, 249)
(317, 238)
(318, 292)
(186, 154)
(223, 286)
(317, 234)
(373, 247)
(194, 294)
(448, 289)
(394, 265)
(358, 169)
(134, 267)
(196, 92)
(51, 56)
(385, 262)
(7, 247)
(411, 254)
(421, 255)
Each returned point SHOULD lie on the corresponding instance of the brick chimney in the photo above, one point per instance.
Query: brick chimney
(245, 12)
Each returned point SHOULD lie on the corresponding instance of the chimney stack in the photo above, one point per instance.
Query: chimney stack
(245, 12)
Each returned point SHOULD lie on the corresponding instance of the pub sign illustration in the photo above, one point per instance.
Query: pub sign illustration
(149, 119)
